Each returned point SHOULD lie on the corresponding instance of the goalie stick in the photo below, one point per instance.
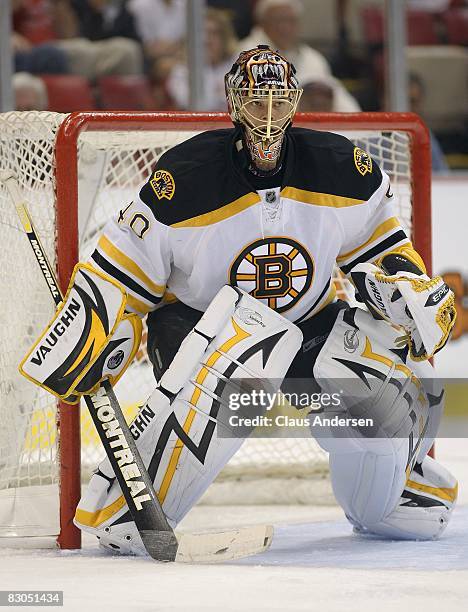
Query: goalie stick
(157, 535)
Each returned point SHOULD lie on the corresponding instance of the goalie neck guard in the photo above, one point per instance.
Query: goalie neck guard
(263, 94)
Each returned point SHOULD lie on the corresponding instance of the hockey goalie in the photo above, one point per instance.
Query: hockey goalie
(229, 249)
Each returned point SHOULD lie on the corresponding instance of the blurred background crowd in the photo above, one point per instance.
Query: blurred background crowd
(131, 54)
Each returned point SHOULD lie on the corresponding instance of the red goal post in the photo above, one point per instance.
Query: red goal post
(66, 175)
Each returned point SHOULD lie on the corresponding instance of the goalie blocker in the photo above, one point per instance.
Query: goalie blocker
(90, 338)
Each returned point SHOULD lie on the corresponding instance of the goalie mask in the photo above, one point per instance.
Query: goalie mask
(262, 94)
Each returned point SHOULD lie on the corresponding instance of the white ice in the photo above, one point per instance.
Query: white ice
(315, 563)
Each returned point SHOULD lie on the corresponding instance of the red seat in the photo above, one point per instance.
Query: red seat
(456, 25)
(68, 92)
(130, 92)
(372, 25)
(421, 27)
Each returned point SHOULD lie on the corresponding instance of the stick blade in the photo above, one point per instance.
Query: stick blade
(160, 545)
(224, 546)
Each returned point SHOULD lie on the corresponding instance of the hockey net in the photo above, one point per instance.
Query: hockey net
(75, 172)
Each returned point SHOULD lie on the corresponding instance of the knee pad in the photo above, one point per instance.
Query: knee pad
(369, 466)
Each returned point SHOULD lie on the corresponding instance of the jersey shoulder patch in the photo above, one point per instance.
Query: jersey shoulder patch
(163, 184)
(186, 177)
(362, 161)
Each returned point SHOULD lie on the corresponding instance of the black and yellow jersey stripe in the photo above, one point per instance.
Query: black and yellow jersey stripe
(143, 294)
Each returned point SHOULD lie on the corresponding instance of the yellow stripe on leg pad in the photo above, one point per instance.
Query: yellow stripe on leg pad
(94, 519)
(177, 450)
(449, 494)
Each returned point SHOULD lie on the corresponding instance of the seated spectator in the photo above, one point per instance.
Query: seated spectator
(102, 40)
(31, 51)
(103, 19)
(30, 92)
(317, 97)
(278, 25)
(416, 99)
(37, 59)
(161, 26)
(220, 44)
(58, 24)
(240, 13)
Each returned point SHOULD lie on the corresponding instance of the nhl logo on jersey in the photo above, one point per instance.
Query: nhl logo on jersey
(277, 270)
(163, 184)
(363, 161)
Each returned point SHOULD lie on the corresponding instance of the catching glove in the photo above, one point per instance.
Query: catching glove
(423, 306)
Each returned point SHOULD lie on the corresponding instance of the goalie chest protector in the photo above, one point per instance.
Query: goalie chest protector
(198, 223)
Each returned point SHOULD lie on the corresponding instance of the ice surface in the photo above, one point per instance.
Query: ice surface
(318, 566)
(331, 544)
(315, 563)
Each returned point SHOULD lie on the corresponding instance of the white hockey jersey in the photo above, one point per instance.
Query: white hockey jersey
(198, 224)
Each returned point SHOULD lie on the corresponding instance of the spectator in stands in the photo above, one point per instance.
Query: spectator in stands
(416, 99)
(278, 25)
(30, 92)
(37, 59)
(317, 97)
(103, 19)
(240, 13)
(161, 26)
(220, 45)
(57, 23)
(32, 53)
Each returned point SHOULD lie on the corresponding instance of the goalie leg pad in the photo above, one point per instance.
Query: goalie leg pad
(183, 454)
(183, 432)
(369, 467)
(424, 508)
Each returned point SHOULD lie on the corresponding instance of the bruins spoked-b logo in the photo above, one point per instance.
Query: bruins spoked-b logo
(163, 184)
(363, 161)
(276, 269)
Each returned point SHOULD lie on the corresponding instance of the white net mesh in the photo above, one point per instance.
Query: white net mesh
(28, 433)
(112, 165)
